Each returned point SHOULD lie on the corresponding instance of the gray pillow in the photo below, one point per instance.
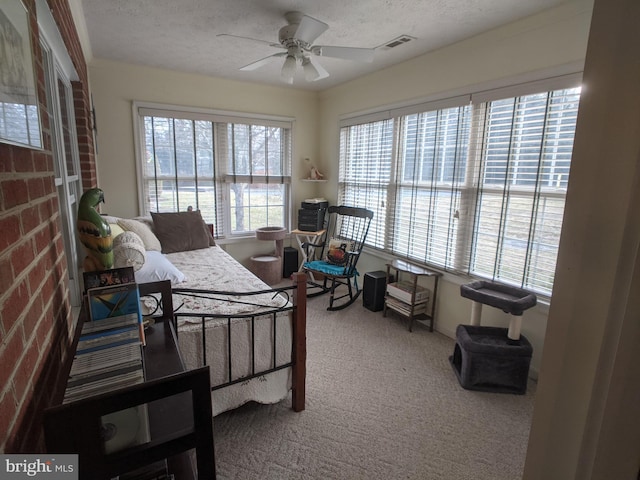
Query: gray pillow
(180, 231)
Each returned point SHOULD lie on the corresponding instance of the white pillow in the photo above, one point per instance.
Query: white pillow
(158, 267)
(110, 218)
(116, 230)
(150, 240)
(128, 251)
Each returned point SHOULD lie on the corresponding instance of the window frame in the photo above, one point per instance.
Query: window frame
(222, 178)
(470, 190)
(544, 136)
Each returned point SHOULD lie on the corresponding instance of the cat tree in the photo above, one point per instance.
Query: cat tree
(269, 267)
(493, 359)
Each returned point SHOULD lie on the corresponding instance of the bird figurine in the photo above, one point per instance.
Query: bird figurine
(94, 232)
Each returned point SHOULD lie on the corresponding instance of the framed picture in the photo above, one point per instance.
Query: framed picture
(19, 116)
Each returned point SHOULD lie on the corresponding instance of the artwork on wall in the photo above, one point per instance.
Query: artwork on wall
(19, 117)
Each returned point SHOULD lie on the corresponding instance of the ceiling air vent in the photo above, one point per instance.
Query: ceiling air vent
(396, 42)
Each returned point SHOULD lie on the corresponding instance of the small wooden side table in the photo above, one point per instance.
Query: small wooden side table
(406, 301)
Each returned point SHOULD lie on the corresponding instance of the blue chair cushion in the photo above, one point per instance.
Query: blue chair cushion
(329, 269)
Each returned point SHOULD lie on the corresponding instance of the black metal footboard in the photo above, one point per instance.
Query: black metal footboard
(260, 308)
(266, 313)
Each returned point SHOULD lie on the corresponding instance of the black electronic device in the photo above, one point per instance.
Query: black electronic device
(315, 205)
(289, 262)
(373, 291)
(311, 220)
(312, 214)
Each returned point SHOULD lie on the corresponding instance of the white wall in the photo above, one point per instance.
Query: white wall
(554, 40)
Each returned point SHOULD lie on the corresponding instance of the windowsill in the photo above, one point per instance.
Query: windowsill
(233, 240)
(542, 305)
(241, 239)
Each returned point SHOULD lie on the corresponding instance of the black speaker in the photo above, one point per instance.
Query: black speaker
(311, 220)
(289, 262)
(375, 284)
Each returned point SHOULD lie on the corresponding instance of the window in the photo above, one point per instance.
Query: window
(19, 123)
(236, 171)
(524, 171)
(467, 185)
(59, 77)
(365, 179)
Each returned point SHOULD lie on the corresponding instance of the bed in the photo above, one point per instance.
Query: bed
(252, 336)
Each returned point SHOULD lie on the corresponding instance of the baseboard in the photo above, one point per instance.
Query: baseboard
(446, 332)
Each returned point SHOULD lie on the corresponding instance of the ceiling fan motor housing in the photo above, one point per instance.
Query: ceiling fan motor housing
(287, 39)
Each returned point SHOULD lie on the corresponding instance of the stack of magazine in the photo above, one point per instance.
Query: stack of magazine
(109, 353)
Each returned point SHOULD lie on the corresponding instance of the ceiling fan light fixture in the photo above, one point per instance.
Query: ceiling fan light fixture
(289, 68)
(310, 71)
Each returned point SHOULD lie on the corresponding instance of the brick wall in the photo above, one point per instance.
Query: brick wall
(36, 323)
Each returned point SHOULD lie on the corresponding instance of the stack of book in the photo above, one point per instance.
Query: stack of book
(109, 353)
(404, 290)
(399, 298)
(405, 308)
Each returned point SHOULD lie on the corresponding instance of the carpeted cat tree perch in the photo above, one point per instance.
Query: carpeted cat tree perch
(493, 359)
(269, 267)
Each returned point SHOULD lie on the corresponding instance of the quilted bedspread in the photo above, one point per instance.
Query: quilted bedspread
(212, 268)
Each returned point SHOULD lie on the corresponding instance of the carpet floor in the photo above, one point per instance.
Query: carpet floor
(382, 403)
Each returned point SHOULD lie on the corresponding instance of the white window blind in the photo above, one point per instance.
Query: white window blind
(237, 174)
(524, 170)
(431, 173)
(365, 172)
(257, 173)
(472, 188)
(178, 170)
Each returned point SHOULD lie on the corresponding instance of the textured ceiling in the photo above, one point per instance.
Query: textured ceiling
(182, 34)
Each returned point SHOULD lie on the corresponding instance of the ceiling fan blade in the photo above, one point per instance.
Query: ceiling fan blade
(313, 71)
(265, 42)
(262, 62)
(309, 29)
(346, 53)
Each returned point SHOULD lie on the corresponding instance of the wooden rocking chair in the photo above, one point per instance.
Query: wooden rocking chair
(338, 255)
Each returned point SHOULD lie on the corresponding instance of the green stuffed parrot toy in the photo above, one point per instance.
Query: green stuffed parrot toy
(94, 232)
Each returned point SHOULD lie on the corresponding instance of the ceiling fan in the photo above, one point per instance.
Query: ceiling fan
(297, 39)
